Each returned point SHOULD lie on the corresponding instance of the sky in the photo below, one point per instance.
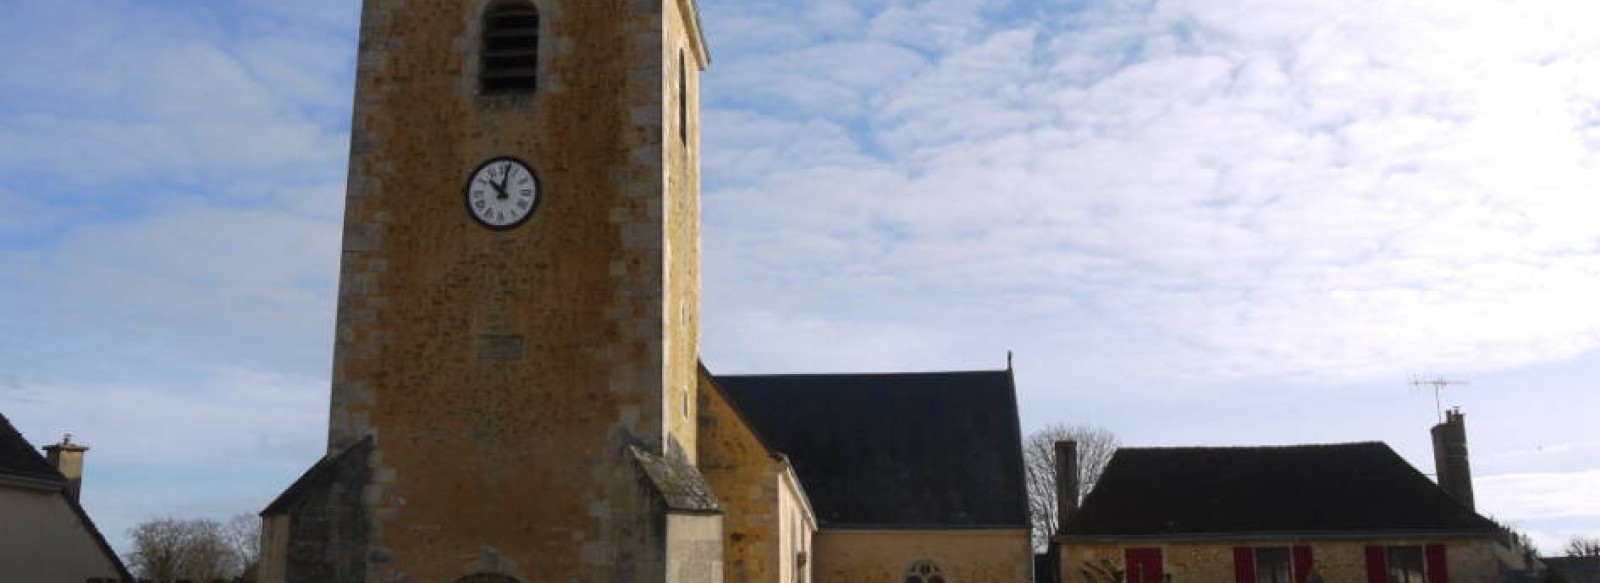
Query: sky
(1191, 222)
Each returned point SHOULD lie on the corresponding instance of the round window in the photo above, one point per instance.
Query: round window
(924, 571)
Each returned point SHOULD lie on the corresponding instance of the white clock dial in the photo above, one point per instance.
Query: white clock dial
(502, 193)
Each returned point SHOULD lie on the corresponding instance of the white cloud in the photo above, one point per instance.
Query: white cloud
(1539, 458)
(181, 101)
(830, 80)
(1143, 198)
(932, 24)
(1360, 191)
(196, 283)
(1520, 497)
(208, 443)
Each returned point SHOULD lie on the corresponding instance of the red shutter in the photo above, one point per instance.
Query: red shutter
(1438, 572)
(1302, 563)
(1377, 565)
(1244, 565)
(1143, 565)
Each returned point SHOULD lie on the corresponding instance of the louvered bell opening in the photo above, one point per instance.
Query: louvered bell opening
(510, 51)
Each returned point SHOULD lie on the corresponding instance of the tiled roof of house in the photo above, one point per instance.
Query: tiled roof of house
(903, 451)
(1575, 569)
(18, 458)
(1350, 488)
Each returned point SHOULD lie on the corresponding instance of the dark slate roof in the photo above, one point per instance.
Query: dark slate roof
(907, 450)
(679, 482)
(321, 476)
(1349, 488)
(1575, 569)
(19, 460)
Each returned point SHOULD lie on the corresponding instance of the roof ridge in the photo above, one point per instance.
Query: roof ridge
(865, 374)
(1210, 491)
(1329, 445)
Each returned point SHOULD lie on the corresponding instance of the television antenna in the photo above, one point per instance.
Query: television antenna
(1438, 383)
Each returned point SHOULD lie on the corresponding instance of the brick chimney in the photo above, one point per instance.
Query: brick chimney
(1450, 457)
(1066, 482)
(67, 457)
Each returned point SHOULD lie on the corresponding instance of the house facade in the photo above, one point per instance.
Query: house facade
(1352, 512)
(47, 536)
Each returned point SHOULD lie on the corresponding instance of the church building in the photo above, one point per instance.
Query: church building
(518, 393)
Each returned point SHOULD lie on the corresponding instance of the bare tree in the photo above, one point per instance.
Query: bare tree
(167, 550)
(243, 536)
(1583, 547)
(1095, 446)
(158, 549)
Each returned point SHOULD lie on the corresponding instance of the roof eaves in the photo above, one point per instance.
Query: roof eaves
(1016, 420)
(32, 481)
(697, 32)
(99, 538)
(1280, 535)
(786, 470)
(870, 375)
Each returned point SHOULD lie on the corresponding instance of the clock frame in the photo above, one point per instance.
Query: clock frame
(502, 193)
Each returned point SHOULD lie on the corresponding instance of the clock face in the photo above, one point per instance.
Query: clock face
(502, 193)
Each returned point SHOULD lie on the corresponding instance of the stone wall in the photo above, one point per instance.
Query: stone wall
(694, 548)
(797, 528)
(503, 374)
(963, 556)
(1338, 561)
(681, 60)
(741, 472)
(317, 532)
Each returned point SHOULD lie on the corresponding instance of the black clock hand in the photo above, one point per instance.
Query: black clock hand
(502, 195)
(505, 177)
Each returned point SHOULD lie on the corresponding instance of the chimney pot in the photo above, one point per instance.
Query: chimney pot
(67, 458)
(1066, 482)
(1450, 457)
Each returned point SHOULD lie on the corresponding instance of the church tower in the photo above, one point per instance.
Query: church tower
(518, 320)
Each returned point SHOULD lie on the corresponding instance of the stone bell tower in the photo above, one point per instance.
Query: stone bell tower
(518, 319)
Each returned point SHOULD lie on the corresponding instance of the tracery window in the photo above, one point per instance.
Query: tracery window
(509, 56)
(924, 571)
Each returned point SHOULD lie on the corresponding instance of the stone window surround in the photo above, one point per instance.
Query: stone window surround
(924, 570)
